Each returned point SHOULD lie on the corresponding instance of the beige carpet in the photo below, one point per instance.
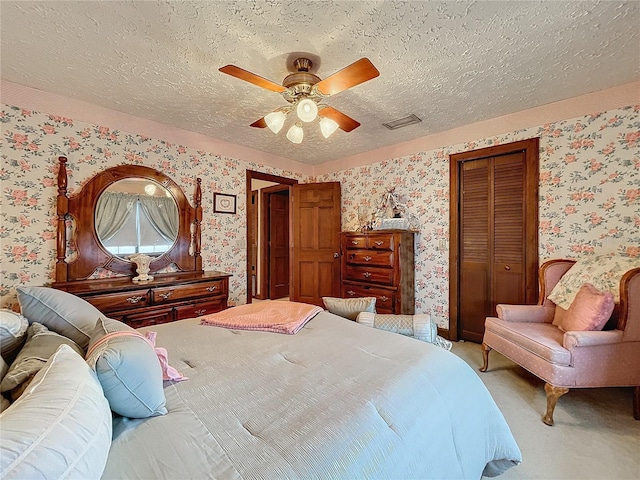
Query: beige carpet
(594, 436)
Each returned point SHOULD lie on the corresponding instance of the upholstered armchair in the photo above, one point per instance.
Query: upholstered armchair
(529, 336)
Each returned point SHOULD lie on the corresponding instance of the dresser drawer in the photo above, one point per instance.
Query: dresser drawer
(355, 241)
(153, 316)
(374, 241)
(184, 292)
(383, 276)
(199, 309)
(111, 302)
(381, 241)
(385, 299)
(370, 257)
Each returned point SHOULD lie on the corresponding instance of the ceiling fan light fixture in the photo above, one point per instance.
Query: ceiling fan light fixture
(275, 120)
(327, 127)
(295, 133)
(307, 110)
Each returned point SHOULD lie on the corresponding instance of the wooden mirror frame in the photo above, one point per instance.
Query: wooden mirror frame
(91, 254)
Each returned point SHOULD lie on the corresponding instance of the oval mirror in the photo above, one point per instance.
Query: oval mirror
(136, 215)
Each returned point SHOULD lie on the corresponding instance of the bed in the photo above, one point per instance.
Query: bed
(335, 400)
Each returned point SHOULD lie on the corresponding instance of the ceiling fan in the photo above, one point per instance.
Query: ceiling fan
(305, 91)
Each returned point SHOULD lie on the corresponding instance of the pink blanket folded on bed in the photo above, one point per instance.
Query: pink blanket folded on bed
(268, 316)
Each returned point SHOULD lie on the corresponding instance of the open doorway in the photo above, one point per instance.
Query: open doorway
(268, 227)
(274, 242)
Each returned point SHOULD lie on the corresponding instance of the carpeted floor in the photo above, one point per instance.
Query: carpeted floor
(594, 437)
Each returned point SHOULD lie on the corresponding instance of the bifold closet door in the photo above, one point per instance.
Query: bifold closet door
(492, 239)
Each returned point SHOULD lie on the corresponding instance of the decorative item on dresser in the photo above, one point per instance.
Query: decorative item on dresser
(380, 264)
(100, 238)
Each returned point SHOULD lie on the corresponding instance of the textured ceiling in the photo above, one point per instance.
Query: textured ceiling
(450, 63)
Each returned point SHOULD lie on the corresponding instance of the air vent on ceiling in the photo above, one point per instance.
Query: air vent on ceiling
(402, 122)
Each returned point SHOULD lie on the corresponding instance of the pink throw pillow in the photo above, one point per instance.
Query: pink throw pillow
(589, 310)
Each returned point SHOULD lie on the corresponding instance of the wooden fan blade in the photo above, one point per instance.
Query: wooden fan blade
(345, 122)
(259, 123)
(247, 76)
(355, 74)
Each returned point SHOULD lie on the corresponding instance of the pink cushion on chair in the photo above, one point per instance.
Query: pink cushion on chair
(589, 310)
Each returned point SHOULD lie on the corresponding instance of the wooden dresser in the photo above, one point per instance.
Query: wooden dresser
(188, 292)
(380, 264)
(166, 298)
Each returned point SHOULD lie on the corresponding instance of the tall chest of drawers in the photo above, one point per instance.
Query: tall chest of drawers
(380, 264)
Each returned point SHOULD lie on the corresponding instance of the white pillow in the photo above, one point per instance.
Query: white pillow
(60, 312)
(602, 271)
(402, 324)
(349, 307)
(420, 326)
(61, 425)
(424, 328)
(13, 332)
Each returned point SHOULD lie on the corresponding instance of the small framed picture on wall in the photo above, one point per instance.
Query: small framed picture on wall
(224, 203)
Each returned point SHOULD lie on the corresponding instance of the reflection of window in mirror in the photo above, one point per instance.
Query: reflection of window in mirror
(136, 215)
(138, 234)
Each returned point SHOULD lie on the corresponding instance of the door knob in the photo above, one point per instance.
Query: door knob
(336, 254)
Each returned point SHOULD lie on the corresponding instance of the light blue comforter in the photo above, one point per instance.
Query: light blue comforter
(337, 400)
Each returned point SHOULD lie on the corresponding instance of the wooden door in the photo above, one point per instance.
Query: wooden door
(279, 244)
(475, 268)
(315, 253)
(252, 214)
(254, 230)
(494, 254)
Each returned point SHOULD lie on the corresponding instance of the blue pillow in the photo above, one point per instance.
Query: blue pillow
(60, 312)
(128, 369)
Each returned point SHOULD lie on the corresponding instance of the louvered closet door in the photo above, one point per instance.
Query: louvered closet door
(492, 243)
(508, 282)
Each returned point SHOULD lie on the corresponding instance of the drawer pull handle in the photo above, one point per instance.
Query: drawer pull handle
(367, 274)
(384, 299)
(135, 299)
(367, 258)
(200, 312)
(378, 242)
(354, 242)
(351, 293)
(165, 295)
(212, 288)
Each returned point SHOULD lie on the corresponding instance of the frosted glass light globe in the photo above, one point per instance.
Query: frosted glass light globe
(307, 110)
(327, 126)
(275, 121)
(295, 134)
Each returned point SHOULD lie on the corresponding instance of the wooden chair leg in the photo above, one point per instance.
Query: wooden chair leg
(636, 402)
(485, 357)
(553, 394)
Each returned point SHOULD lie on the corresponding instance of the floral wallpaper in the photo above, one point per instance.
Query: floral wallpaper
(589, 193)
(31, 144)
